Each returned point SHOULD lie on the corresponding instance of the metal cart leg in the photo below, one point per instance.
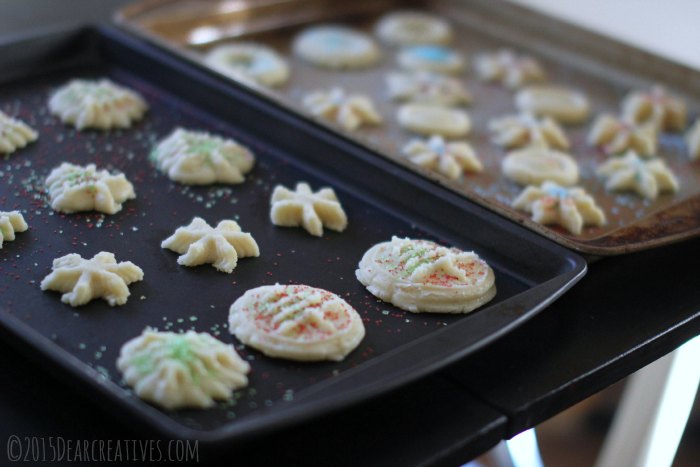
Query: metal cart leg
(653, 412)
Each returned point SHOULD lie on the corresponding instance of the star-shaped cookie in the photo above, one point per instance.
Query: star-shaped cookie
(428, 88)
(307, 209)
(614, 135)
(448, 159)
(348, 111)
(647, 178)
(80, 280)
(199, 243)
(513, 131)
(572, 208)
(656, 106)
(508, 68)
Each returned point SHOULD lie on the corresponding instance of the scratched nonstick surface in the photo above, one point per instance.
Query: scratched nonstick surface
(83, 343)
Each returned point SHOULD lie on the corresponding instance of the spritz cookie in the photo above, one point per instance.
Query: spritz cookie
(506, 67)
(514, 131)
(311, 210)
(336, 47)
(420, 275)
(199, 243)
(430, 120)
(431, 58)
(249, 61)
(692, 140)
(427, 88)
(537, 164)
(74, 188)
(11, 222)
(81, 280)
(181, 370)
(201, 158)
(614, 136)
(448, 159)
(647, 178)
(296, 322)
(551, 204)
(350, 111)
(658, 107)
(99, 104)
(14, 134)
(562, 104)
(413, 27)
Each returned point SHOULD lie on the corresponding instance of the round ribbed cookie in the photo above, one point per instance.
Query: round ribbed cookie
(420, 275)
(537, 164)
(431, 120)
(250, 62)
(413, 27)
(296, 322)
(336, 47)
(562, 104)
(431, 58)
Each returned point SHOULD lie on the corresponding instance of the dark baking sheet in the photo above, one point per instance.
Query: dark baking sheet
(380, 198)
(602, 68)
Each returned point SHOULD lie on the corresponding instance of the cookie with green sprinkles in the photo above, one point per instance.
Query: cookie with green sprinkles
(174, 371)
(422, 276)
(296, 322)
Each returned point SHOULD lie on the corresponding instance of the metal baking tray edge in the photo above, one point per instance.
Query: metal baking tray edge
(395, 368)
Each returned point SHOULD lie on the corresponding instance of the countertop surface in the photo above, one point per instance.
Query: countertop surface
(627, 312)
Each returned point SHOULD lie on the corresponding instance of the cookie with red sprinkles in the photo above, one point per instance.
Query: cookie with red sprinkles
(422, 276)
(296, 322)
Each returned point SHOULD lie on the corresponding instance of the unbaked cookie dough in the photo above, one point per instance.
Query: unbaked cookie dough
(249, 61)
(513, 131)
(505, 67)
(537, 164)
(448, 159)
(427, 88)
(99, 104)
(11, 222)
(81, 280)
(181, 370)
(199, 243)
(614, 136)
(571, 208)
(349, 111)
(413, 27)
(312, 211)
(692, 139)
(431, 58)
(336, 47)
(430, 120)
(656, 106)
(562, 104)
(14, 134)
(422, 276)
(200, 158)
(647, 178)
(296, 322)
(74, 188)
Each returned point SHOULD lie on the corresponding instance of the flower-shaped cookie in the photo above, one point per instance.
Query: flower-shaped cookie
(175, 370)
(420, 275)
(348, 111)
(504, 66)
(80, 280)
(572, 208)
(14, 134)
(200, 158)
(10, 223)
(513, 131)
(74, 188)
(449, 159)
(656, 106)
(428, 88)
(647, 178)
(199, 243)
(296, 322)
(97, 104)
(312, 211)
(692, 139)
(614, 136)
